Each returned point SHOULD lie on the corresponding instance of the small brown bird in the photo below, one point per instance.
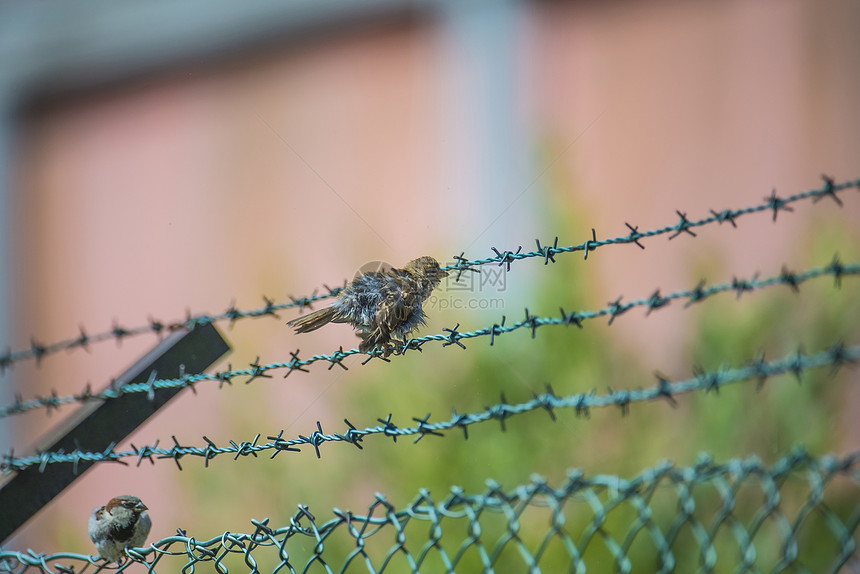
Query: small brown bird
(121, 523)
(383, 306)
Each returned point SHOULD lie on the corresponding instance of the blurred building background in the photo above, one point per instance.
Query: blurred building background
(161, 157)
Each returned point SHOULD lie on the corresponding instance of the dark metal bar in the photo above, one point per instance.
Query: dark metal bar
(96, 425)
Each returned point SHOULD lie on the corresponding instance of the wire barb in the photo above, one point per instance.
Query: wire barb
(634, 235)
(507, 257)
(683, 226)
(548, 252)
(776, 203)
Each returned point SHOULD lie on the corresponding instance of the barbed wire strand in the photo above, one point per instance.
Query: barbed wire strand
(684, 226)
(38, 350)
(655, 301)
(759, 370)
(118, 333)
(577, 509)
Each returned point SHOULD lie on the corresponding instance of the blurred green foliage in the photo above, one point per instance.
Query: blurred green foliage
(738, 421)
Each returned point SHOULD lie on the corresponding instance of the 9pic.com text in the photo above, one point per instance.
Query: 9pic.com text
(441, 303)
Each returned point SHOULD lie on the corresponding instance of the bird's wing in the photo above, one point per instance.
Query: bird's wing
(398, 299)
(397, 304)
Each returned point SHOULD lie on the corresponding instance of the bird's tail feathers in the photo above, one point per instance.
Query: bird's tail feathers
(315, 320)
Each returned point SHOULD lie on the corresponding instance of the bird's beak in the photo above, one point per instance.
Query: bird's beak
(140, 507)
(443, 273)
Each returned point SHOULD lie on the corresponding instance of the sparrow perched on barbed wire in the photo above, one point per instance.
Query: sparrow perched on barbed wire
(121, 523)
(383, 306)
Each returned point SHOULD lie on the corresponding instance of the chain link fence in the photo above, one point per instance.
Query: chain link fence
(797, 515)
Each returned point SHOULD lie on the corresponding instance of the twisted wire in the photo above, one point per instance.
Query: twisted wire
(758, 370)
(117, 332)
(453, 336)
(684, 226)
(38, 350)
(576, 513)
